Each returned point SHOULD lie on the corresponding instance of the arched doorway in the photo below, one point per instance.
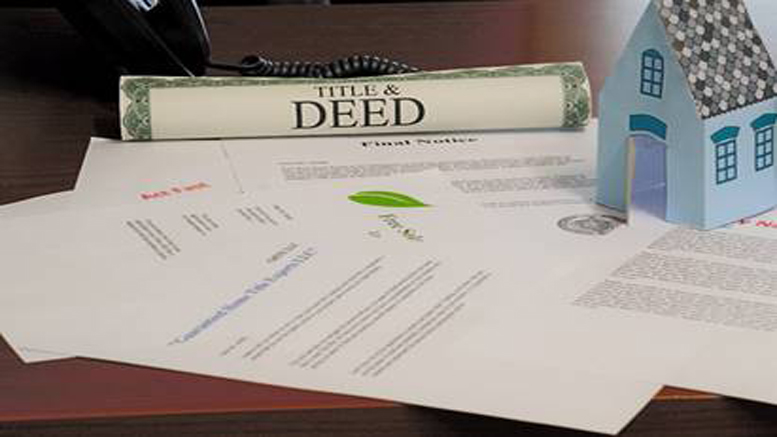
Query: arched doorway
(646, 160)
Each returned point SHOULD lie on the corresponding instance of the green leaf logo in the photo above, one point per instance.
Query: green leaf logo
(386, 199)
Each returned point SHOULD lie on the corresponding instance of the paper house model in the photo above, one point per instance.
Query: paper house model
(696, 86)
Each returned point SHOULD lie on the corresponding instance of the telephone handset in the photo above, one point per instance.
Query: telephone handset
(168, 37)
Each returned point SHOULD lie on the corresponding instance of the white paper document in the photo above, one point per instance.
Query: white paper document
(692, 309)
(321, 288)
(500, 170)
(116, 172)
(39, 205)
(497, 169)
(708, 298)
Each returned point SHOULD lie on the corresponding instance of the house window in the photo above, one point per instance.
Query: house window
(764, 141)
(764, 148)
(725, 154)
(726, 158)
(652, 74)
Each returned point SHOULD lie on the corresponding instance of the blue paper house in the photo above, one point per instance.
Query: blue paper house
(696, 86)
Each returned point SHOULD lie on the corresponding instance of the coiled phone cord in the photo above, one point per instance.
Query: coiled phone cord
(352, 66)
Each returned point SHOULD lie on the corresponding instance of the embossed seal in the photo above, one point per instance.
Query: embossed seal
(590, 224)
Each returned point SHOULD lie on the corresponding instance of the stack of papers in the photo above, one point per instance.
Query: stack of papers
(461, 271)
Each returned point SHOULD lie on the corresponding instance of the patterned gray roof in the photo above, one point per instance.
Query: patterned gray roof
(726, 63)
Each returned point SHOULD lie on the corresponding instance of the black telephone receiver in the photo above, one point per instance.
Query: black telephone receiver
(168, 37)
(165, 37)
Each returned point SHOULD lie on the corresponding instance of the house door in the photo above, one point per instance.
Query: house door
(646, 158)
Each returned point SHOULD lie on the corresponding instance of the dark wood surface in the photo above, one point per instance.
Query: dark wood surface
(55, 94)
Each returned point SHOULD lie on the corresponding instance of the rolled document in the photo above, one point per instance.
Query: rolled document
(497, 98)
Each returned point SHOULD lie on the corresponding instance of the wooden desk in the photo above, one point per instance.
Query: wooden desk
(54, 94)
